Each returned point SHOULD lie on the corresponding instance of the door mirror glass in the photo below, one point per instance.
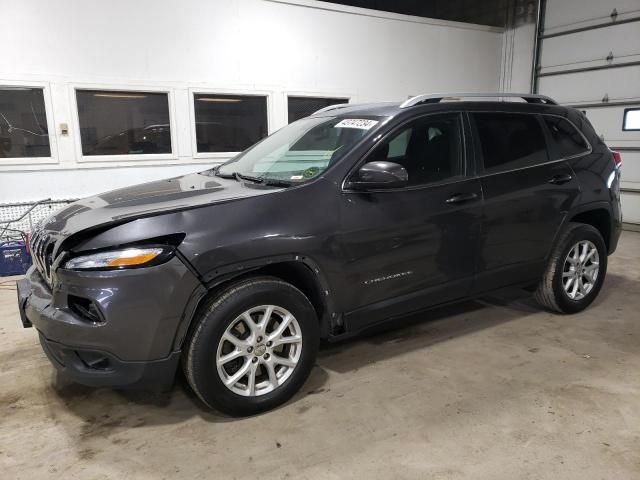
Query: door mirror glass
(375, 175)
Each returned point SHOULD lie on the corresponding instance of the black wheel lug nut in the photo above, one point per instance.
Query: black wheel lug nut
(266, 356)
(269, 344)
(250, 349)
(259, 339)
(255, 359)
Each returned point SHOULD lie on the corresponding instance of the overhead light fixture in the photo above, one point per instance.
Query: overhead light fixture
(219, 100)
(120, 95)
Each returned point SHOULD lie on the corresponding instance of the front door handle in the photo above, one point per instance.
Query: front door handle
(560, 179)
(462, 197)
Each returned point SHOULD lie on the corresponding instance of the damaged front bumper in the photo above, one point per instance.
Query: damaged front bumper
(110, 328)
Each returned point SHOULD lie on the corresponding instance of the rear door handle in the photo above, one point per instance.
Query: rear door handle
(560, 179)
(462, 197)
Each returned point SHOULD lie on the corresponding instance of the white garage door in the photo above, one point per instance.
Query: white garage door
(590, 58)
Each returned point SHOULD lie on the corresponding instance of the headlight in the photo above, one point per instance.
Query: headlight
(117, 259)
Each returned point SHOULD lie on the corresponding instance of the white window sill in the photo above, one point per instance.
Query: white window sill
(111, 163)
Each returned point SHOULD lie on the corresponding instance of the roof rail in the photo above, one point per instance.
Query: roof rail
(438, 97)
(332, 107)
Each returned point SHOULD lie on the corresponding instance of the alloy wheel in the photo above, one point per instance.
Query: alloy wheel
(580, 270)
(259, 350)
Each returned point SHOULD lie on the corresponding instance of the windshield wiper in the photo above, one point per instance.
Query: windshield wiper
(216, 171)
(240, 176)
(275, 182)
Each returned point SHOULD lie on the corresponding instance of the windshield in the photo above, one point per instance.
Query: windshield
(300, 151)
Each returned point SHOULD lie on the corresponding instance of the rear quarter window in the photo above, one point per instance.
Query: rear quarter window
(567, 139)
(510, 140)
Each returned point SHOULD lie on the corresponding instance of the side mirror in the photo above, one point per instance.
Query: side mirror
(374, 175)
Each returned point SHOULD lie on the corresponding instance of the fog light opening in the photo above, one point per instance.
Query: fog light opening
(85, 308)
(94, 360)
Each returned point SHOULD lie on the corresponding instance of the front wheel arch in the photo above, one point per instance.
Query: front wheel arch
(300, 271)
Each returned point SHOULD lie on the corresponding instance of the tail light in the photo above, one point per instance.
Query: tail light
(617, 158)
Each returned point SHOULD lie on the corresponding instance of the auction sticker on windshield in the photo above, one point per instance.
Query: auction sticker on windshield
(360, 123)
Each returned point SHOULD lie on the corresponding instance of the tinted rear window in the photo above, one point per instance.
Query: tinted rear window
(567, 138)
(510, 140)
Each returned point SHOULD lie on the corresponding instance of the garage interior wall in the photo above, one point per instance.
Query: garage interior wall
(590, 58)
(518, 46)
(271, 47)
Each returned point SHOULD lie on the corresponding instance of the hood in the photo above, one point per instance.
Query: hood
(148, 199)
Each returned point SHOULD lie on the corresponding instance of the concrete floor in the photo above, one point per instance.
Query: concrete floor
(494, 389)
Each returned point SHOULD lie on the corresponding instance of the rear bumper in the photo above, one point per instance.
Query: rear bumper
(132, 343)
(616, 226)
(616, 231)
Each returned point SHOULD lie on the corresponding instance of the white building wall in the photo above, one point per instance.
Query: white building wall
(521, 58)
(245, 46)
(518, 47)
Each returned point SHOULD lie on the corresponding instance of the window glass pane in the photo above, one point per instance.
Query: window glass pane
(568, 140)
(631, 119)
(123, 123)
(398, 146)
(300, 151)
(430, 149)
(510, 140)
(23, 123)
(300, 107)
(229, 123)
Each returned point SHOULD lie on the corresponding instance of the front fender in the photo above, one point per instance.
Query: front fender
(222, 276)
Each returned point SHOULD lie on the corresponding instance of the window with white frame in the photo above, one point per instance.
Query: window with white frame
(123, 122)
(229, 123)
(23, 123)
(299, 107)
(631, 119)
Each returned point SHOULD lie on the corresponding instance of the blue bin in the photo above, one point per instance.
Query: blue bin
(14, 258)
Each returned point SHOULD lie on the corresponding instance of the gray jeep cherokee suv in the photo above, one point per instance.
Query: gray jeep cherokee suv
(351, 217)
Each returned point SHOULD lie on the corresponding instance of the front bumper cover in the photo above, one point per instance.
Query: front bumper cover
(133, 344)
(101, 369)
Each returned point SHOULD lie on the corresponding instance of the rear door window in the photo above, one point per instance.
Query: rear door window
(510, 140)
(568, 140)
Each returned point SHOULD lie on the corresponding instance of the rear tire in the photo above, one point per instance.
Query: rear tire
(575, 272)
(236, 361)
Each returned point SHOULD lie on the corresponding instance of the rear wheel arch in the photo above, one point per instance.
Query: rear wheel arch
(599, 218)
(552, 289)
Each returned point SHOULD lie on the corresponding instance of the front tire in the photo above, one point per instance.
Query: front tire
(252, 347)
(575, 272)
